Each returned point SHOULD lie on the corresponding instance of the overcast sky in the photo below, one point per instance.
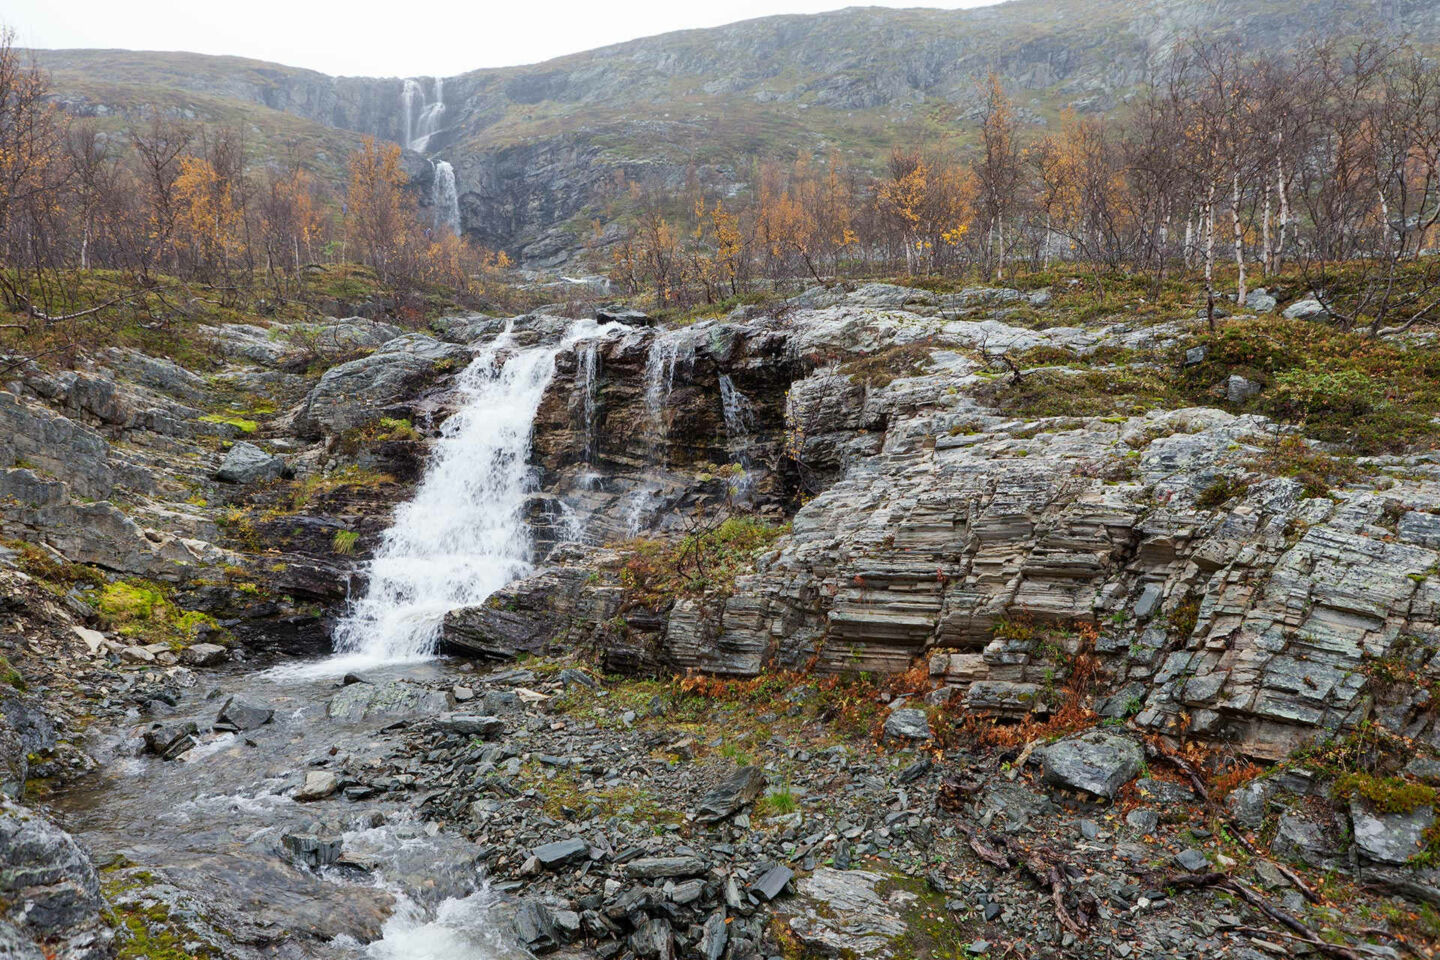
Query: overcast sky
(382, 37)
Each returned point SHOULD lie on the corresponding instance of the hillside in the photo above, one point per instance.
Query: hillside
(537, 148)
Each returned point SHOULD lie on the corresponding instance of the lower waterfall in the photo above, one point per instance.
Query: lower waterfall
(463, 535)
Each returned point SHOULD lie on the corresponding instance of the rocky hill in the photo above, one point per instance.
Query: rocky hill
(537, 149)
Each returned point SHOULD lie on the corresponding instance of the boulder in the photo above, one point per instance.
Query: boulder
(311, 850)
(354, 394)
(626, 315)
(1390, 837)
(1302, 840)
(318, 785)
(534, 927)
(48, 886)
(241, 714)
(655, 868)
(730, 795)
(1308, 309)
(1099, 762)
(561, 853)
(907, 723)
(1260, 300)
(247, 463)
(486, 728)
(168, 741)
(841, 913)
(203, 654)
(1238, 389)
(361, 701)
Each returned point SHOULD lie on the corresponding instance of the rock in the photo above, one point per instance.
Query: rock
(310, 850)
(137, 655)
(626, 315)
(1298, 839)
(654, 868)
(736, 791)
(907, 723)
(361, 701)
(1192, 860)
(1309, 309)
(1259, 300)
(242, 714)
(467, 725)
(561, 853)
(318, 785)
(1238, 389)
(48, 886)
(1194, 355)
(1098, 762)
(1390, 837)
(713, 937)
(247, 463)
(204, 654)
(1143, 821)
(353, 394)
(14, 945)
(653, 940)
(534, 926)
(772, 882)
(838, 913)
(169, 741)
(1248, 804)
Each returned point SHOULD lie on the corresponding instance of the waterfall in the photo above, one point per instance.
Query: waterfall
(739, 423)
(463, 535)
(589, 383)
(430, 117)
(665, 355)
(420, 128)
(445, 198)
(409, 92)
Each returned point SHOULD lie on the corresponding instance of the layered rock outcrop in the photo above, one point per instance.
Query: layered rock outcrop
(997, 549)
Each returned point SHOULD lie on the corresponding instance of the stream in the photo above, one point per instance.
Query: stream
(220, 822)
(213, 822)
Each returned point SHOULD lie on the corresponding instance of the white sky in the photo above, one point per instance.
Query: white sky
(382, 37)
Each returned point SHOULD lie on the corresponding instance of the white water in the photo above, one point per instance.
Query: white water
(409, 92)
(463, 535)
(446, 198)
(421, 126)
(459, 929)
(739, 423)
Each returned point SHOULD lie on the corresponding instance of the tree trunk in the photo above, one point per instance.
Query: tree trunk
(1284, 213)
(1239, 238)
(1209, 227)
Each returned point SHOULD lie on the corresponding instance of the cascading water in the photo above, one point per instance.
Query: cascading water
(430, 116)
(463, 535)
(422, 115)
(410, 92)
(445, 198)
(589, 385)
(739, 424)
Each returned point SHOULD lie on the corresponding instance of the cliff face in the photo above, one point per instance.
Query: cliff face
(1217, 596)
(537, 149)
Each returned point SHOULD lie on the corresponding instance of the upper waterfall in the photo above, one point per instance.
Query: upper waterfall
(463, 535)
(422, 114)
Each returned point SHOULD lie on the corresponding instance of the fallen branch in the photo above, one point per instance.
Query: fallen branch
(1156, 749)
(39, 314)
(1221, 881)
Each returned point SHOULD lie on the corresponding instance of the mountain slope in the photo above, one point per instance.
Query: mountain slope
(538, 150)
